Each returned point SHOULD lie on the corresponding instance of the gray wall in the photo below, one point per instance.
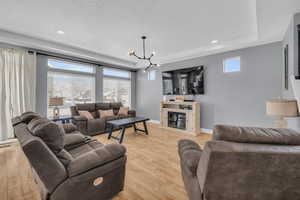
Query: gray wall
(291, 39)
(233, 98)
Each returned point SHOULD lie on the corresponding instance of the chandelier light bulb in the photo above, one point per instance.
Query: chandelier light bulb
(131, 52)
(153, 53)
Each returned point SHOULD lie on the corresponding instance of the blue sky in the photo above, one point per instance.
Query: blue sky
(232, 64)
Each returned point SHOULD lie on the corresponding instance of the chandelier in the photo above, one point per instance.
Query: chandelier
(147, 60)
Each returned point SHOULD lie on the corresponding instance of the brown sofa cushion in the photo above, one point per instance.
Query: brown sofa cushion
(95, 155)
(86, 106)
(52, 134)
(103, 106)
(256, 135)
(95, 125)
(86, 114)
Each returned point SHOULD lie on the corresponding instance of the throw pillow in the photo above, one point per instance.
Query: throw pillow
(106, 113)
(123, 111)
(86, 114)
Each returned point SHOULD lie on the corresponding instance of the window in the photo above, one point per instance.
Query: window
(152, 75)
(73, 86)
(117, 86)
(116, 73)
(64, 65)
(232, 65)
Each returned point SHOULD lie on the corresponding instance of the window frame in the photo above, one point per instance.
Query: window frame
(231, 58)
(71, 62)
(71, 72)
(118, 78)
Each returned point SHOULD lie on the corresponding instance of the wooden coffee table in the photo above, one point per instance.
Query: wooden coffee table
(126, 123)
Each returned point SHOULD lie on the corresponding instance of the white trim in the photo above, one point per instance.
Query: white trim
(203, 130)
(154, 121)
(8, 141)
(206, 130)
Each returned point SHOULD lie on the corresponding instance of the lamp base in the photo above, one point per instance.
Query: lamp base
(281, 123)
(56, 113)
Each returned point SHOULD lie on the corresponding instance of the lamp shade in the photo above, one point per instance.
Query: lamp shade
(282, 108)
(56, 101)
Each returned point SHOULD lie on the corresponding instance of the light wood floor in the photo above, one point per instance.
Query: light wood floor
(153, 170)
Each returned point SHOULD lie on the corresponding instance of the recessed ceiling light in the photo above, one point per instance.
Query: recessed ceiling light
(214, 41)
(60, 32)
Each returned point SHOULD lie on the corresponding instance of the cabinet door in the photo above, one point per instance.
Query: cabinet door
(189, 121)
(165, 118)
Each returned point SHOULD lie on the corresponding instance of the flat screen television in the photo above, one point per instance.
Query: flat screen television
(188, 81)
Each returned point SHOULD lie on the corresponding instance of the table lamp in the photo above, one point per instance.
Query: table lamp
(282, 108)
(56, 101)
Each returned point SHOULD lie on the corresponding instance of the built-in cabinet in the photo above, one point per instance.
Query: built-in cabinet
(181, 116)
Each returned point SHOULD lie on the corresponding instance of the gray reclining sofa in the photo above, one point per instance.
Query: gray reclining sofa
(66, 164)
(243, 163)
(98, 124)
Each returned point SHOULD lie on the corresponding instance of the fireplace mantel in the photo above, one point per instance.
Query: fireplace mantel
(188, 120)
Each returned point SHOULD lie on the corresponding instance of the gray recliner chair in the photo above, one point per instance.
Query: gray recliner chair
(242, 163)
(67, 164)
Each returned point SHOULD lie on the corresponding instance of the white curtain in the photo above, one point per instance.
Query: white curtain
(17, 87)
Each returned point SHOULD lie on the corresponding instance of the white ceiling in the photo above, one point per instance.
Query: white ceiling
(176, 29)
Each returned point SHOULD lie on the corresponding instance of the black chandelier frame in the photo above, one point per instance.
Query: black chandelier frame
(151, 64)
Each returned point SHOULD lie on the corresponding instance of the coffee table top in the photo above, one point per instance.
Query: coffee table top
(127, 121)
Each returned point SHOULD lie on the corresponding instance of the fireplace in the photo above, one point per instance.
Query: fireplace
(177, 120)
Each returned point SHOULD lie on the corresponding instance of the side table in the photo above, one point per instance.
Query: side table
(62, 119)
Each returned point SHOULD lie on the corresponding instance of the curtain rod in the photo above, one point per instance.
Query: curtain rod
(62, 56)
(72, 58)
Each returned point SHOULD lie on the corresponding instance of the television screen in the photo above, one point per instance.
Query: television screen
(189, 81)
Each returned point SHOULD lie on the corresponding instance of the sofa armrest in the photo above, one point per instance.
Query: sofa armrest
(80, 122)
(96, 158)
(132, 113)
(79, 118)
(69, 128)
(189, 153)
(71, 140)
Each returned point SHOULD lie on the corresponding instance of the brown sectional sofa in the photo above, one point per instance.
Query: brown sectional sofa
(98, 124)
(242, 163)
(66, 164)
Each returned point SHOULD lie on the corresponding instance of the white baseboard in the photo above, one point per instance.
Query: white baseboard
(8, 141)
(206, 130)
(154, 121)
